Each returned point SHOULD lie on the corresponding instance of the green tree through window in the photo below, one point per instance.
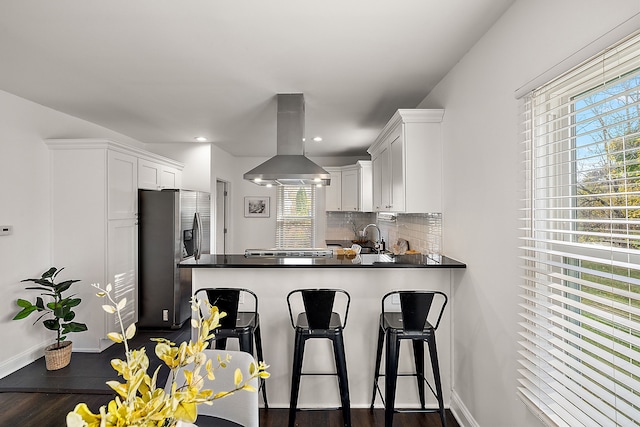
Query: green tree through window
(296, 217)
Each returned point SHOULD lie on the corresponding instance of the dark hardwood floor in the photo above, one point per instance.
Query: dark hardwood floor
(50, 410)
(35, 397)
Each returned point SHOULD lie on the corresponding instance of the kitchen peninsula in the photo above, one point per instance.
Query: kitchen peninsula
(272, 278)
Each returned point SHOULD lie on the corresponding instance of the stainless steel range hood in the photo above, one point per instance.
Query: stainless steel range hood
(289, 166)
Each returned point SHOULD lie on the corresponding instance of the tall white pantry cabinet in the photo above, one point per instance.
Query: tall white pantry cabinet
(94, 187)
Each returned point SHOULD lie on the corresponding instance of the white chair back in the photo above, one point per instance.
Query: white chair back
(240, 407)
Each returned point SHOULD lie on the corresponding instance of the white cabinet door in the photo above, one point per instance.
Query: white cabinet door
(122, 182)
(397, 173)
(156, 176)
(170, 178)
(385, 179)
(350, 189)
(376, 171)
(148, 175)
(333, 192)
(122, 270)
(365, 186)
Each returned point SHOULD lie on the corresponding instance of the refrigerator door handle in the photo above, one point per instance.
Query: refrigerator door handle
(197, 235)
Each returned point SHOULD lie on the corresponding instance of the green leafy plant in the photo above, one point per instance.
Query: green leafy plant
(58, 313)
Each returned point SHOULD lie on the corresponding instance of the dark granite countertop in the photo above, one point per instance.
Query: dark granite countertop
(363, 261)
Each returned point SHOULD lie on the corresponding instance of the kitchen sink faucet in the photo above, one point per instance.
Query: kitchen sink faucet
(377, 242)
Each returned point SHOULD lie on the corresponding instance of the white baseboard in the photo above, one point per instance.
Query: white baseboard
(21, 360)
(460, 412)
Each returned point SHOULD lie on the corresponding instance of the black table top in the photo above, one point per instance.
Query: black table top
(399, 261)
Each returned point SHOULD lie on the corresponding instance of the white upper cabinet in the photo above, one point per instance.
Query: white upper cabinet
(333, 192)
(122, 184)
(157, 175)
(407, 163)
(381, 179)
(351, 188)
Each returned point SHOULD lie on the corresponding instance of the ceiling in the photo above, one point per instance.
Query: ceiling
(170, 70)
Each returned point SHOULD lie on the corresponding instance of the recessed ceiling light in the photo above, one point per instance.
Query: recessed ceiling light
(201, 139)
(317, 138)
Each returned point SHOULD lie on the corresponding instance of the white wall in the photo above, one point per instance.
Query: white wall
(480, 137)
(258, 232)
(243, 232)
(196, 158)
(25, 205)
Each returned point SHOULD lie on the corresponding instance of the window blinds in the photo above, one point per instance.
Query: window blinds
(295, 220)
(579, 352)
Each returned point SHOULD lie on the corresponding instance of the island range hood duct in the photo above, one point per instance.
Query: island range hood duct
(289, 166)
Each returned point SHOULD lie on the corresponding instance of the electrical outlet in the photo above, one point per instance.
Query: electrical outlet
(165, 315)
(6, 230)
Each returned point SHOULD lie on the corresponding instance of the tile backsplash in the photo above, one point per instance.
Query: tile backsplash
(340, 225)
(423, 231)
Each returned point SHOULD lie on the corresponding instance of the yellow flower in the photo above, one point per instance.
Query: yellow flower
(138, 401)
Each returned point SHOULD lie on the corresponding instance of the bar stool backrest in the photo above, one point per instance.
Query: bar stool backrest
(228, 300)
(319, 306)
(416, 306)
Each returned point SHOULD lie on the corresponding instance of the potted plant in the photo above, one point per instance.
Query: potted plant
(56, 315)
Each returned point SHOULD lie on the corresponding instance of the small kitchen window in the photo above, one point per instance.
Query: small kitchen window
(296, 217)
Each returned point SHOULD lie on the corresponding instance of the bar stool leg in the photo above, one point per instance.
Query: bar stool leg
(343, 382)
(263, 384)
(220, 344)
(391, 376)
(378, 359)
(418, 357)
(433, 352)
(246, 343)
(298, 354)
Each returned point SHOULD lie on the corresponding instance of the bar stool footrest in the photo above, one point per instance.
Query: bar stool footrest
(417, 410)
(408, 375)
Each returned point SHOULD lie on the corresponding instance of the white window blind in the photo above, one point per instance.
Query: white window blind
(579, 353)
(296, 217)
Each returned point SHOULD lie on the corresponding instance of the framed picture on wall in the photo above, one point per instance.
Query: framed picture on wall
(256, 207)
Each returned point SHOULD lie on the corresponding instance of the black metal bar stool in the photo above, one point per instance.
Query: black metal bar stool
(410, 322)
(319, 320)
(243, 325)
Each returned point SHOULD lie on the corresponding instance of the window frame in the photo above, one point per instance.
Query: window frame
(562, 372)
(286, 221)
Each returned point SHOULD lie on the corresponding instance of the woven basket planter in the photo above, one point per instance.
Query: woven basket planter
(57, 358)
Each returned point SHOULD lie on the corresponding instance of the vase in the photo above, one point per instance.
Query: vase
(57, 357)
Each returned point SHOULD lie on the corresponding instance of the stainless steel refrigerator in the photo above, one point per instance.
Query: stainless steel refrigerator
(173, 225)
